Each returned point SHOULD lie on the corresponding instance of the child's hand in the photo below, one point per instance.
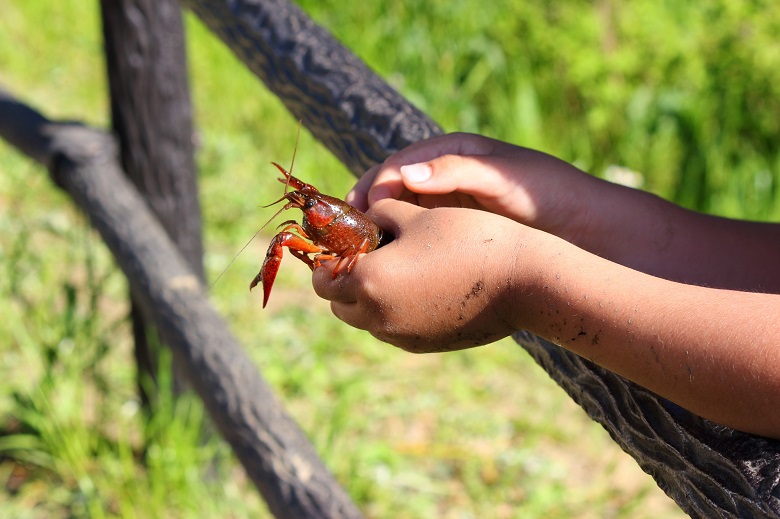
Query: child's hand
(464, 170)
(456, 277)
(626, 226)
(444, 283)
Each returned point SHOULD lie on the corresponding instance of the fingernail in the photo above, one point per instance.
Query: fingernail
(416, 172)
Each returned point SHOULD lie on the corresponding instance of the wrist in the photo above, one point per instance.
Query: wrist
(536, 260)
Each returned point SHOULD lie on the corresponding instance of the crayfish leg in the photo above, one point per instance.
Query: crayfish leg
(324, 257)
(292, 225)
(303, 257)
(350, 259)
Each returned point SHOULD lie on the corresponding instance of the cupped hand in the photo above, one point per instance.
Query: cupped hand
(465, 170)
(445, 282)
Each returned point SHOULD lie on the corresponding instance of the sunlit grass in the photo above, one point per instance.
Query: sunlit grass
(660, 89)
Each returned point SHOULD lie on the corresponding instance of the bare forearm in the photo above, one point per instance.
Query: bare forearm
(649, 301)
(649, 234)
(714, 352)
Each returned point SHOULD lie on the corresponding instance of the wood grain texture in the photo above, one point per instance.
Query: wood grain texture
(342, 102)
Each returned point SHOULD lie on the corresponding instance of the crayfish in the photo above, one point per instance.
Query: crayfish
(330, 229)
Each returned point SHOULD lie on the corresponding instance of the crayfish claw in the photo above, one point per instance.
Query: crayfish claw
(273, 259)
(255, 281)
(292, 181)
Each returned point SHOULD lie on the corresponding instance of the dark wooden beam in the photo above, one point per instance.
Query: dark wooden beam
(343, 103)
(151, 114)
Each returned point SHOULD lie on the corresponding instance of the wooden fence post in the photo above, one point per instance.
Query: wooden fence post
(152, 118)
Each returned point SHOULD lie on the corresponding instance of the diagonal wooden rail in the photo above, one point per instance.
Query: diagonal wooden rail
(342, 102)
(274, 451)
(710, 471)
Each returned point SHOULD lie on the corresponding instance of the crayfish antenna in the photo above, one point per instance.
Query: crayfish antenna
(292, 162)
(238, 254)
(274, 203)
(286, 206)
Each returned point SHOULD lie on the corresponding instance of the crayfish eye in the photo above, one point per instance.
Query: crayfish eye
(310, 202)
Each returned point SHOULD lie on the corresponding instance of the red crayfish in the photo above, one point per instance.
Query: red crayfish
(330, 229)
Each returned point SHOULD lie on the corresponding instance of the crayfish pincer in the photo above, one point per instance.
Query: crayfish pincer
(330, 229)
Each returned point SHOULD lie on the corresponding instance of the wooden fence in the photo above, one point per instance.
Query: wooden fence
(709, 470)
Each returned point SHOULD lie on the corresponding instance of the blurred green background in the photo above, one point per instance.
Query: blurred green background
(677, 98)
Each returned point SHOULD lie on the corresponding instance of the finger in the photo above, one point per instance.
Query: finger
(339, 288)
(449, 144)
(387, 182)
(350, 313)
(476, 175)
(358, 196)
(392, 215)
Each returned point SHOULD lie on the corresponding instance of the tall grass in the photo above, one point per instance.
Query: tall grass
(685, 95)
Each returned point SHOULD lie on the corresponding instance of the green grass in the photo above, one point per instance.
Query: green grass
(686, 96)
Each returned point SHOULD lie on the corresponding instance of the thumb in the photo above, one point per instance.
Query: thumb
(481, 176)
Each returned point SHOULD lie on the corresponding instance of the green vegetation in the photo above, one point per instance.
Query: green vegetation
(684, 94)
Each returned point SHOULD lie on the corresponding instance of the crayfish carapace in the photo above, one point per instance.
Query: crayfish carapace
(330, 229)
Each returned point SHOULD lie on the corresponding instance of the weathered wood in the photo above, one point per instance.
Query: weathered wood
(709, 471)
(274, 451)
(151, 113)
(349, 108)
(152, 117)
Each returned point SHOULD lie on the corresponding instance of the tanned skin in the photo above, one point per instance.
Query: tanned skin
(491, 238)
